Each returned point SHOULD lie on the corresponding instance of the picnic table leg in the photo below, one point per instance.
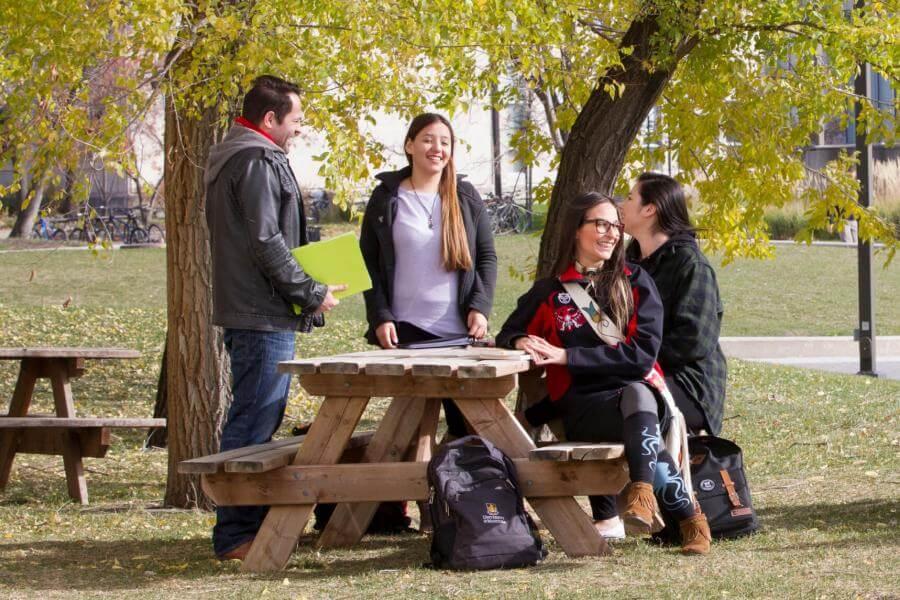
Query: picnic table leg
(323, 445)
(18, 407)
(58, 371)
(423, 450)
(570, 526)
(401, 422)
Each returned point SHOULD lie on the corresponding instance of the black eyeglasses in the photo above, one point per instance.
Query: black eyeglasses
(603, 226)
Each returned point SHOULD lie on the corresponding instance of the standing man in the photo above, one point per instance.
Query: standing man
(255, 216)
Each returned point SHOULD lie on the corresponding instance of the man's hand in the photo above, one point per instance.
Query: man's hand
(330, 301)
(541, 351)
(477, 324)
(387, 335)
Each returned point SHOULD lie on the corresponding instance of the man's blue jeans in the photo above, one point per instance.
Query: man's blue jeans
(259, 396)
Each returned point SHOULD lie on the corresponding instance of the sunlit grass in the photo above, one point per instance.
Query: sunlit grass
(821, 452)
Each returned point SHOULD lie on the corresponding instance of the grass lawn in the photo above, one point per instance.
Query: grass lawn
(821, 449)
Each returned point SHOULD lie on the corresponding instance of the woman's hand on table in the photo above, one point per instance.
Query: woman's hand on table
(387, 335)
(541, 351)
(477, 324)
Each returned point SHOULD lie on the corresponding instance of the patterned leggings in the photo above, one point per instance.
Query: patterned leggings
(648, 460)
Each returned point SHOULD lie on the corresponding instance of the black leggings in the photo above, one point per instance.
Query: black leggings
(407, 333)
(694, 417)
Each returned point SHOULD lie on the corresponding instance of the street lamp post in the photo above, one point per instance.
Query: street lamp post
(866, 332)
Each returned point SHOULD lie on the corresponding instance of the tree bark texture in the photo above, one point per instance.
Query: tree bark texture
(27, 215)
(197, 369)
(604, 131)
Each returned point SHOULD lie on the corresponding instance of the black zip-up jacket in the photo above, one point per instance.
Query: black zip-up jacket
(376, 240)
(690, 351)
(593, 367)
(255, 217)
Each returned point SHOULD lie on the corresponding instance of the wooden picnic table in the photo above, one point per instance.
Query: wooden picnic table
(393, 464)
(64, 434)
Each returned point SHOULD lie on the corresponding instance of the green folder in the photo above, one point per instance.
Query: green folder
(335, 261)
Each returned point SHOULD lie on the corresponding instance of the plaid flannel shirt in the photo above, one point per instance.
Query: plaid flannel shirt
(692, 318)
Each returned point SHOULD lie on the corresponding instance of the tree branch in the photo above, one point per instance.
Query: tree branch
(785, 27)
(602, 31)
(550, 112)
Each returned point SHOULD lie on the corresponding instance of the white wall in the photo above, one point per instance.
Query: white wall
(473, 150)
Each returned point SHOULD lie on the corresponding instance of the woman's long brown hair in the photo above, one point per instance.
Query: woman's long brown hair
(611, 286)
(454, 244)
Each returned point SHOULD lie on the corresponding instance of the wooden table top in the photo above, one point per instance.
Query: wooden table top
(66, 352)
(462, 362)
(75, 422)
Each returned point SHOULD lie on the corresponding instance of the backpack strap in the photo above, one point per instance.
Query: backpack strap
(729, 487)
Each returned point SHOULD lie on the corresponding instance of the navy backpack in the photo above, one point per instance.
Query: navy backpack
(477, 511)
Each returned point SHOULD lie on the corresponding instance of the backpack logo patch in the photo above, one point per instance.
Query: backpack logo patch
(491, 514)
(707, 485)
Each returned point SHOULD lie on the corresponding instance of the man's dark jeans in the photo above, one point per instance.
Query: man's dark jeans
(259, 397)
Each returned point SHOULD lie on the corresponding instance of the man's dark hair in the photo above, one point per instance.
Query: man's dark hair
(268, 93)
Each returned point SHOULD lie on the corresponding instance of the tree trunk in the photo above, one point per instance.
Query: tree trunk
(66, 204)
(158, 436)
(197, 367)
(604, 131)
(27, 215)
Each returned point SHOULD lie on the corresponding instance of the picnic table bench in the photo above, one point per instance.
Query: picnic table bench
(64, 433)
(393, 462)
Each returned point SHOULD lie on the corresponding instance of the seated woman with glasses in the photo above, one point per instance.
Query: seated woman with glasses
(596, 326)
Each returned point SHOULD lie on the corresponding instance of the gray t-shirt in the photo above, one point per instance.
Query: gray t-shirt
(425, 294)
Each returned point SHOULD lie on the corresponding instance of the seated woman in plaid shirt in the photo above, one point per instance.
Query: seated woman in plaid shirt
(664, 244)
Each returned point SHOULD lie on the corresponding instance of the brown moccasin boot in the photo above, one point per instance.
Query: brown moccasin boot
(695, 536)
(640, 504)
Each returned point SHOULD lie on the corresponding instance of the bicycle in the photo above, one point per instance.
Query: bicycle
(155, 234)
(132, 232)
(506, 216)
(44, 229)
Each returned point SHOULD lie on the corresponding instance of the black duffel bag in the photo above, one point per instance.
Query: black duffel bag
(721, 489)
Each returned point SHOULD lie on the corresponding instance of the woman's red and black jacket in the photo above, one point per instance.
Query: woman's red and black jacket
(546, 310)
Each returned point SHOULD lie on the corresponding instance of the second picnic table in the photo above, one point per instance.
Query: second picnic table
(393, 464)
(64, 433)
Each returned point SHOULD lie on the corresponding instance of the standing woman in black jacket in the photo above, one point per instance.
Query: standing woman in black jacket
(664, 245)
(427, 243)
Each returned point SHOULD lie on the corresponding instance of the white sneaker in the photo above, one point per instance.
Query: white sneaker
(611, 529)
